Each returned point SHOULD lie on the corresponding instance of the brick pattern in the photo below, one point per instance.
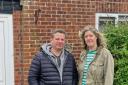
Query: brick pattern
(33, 25)
(18, 61)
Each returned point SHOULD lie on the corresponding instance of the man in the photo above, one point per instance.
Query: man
(53, 65)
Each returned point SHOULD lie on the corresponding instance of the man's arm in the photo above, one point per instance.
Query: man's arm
(34, 72)
(75, 73)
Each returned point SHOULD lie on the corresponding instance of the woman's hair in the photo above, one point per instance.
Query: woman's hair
(101, 42)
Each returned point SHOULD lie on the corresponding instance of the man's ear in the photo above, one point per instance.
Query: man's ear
(51, 40)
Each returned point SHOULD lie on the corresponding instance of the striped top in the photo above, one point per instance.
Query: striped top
(89, 59)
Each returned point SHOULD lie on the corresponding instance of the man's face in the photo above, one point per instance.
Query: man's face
(58, 41)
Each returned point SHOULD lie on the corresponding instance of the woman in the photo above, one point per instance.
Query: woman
(96, 64)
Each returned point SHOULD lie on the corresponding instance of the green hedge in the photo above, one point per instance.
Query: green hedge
(117, 37)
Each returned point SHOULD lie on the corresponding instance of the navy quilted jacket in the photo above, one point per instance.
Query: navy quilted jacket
(44, 72)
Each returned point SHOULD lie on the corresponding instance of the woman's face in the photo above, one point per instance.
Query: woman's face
(90, 39)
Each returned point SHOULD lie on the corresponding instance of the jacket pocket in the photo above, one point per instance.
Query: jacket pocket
(97, 71)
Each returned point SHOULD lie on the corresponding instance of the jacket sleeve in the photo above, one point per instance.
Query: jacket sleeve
(108, 69)
(75, 74)
(34, 71)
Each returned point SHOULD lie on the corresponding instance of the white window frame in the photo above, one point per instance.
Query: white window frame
(98, 15)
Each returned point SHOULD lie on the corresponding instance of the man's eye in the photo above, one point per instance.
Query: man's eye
(57, 39)
(62, 39)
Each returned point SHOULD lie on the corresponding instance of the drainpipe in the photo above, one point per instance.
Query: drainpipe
(21, 47)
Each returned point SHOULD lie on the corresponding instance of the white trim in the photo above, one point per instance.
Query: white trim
(9, 54)
(98, 15)
(2, 54)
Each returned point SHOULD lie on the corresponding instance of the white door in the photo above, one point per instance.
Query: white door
(6, 50)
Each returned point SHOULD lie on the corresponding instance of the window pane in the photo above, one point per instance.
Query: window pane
(105, 20)
(123, 19)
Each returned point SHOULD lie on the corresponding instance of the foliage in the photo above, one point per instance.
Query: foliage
(117, 37)
(121, 71)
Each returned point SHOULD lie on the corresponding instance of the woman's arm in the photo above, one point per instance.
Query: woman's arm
(108, 69)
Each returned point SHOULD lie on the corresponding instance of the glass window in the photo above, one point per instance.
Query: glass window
(105, 20)
(123, 19)
(109, 18)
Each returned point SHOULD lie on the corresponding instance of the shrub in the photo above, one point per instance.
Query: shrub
(117, 37)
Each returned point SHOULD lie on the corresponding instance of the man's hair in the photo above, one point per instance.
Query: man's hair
(58, 31)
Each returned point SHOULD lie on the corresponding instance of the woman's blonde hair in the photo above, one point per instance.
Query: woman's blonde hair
(101, 41)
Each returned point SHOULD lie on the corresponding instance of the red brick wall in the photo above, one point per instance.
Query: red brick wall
(33, 25)
(18, 61)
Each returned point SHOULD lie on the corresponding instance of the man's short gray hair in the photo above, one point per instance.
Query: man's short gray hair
(58, 31)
